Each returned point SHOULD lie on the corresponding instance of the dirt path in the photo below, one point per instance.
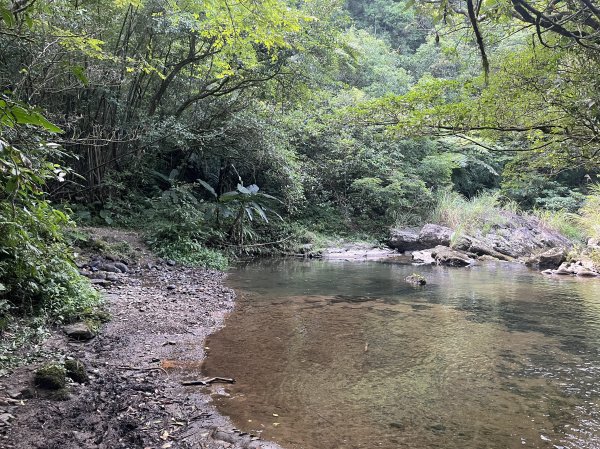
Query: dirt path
(161, 315)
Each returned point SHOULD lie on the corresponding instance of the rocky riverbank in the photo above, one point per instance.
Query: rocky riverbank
(521, 238)
(131, 395)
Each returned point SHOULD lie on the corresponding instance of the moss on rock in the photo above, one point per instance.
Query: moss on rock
(51, 376)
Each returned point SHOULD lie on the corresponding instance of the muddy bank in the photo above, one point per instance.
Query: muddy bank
(161, 315)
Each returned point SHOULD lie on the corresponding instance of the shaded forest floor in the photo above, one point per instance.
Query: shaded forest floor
(160, 316)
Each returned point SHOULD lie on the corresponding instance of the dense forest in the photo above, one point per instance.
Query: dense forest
(220, 127)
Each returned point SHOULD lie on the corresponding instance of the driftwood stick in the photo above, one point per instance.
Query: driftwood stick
(212, 380)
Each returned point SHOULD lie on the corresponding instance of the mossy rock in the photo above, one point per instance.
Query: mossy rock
(76, 370)
(51, 376)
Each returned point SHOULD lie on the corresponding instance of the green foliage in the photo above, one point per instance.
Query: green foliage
(36, 272)
(175, 227)
(404, 201)
(191, 253)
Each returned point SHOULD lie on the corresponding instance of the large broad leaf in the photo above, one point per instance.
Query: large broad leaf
(24, 116)
(7, 16)
(229, 196)
(271, 197)
(208, 187)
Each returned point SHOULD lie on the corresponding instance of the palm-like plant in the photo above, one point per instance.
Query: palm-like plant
(240, 206)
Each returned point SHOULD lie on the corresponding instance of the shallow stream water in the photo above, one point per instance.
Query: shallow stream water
(332, 355)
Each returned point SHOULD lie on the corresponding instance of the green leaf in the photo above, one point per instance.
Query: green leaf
(229, 196)
(79, 73)
(208, 187)
(7, 16)
(27, 117)
(260, 211)
(12, 184)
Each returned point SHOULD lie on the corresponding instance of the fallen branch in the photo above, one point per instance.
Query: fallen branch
(212, 380)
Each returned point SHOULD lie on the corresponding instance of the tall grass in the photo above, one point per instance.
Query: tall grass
(476, 215)
(563, 222)
(589, 214)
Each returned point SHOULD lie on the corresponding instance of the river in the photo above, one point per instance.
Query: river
(331, 355)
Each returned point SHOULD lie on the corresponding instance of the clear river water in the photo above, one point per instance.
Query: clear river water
(330, 355)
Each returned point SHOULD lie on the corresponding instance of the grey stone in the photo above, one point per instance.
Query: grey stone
(79, 331)
(585, 272)
(423, 257)
(121, 267)
(405, 240)
(564, 269)
(109, 267)
(432, 235)
(551, 258)
(450, 257)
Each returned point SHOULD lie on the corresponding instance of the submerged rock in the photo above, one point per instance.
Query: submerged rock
(415, 279)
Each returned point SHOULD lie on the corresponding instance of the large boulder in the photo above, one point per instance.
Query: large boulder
(405, 240)
(551, 258)
(433, 235)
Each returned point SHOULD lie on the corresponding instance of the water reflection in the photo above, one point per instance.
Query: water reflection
(347, 355)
